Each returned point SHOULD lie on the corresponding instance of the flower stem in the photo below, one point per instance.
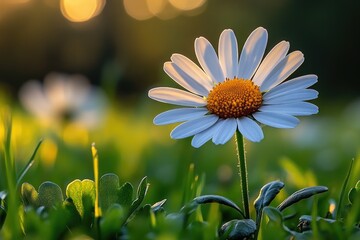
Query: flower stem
(240, 148)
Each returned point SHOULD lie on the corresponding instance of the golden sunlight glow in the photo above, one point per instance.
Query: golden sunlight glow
(162, 9)
(137, 9)
(13, 1)
(100, 6)
(8, 6)
(187, 5)
(48, 152)
(2, 135)
(21, 135)
(76, 134)
(156, 6)
(81, 10)
(332, 207)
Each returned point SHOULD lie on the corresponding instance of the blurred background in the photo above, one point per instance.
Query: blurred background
(119, 47)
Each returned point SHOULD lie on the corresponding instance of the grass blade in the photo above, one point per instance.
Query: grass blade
(28, 165)
(343, 189)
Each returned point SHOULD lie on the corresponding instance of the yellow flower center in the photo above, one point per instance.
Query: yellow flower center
(234, 98)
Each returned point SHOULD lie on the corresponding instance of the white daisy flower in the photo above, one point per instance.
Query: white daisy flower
(64, 98)
(229, 93)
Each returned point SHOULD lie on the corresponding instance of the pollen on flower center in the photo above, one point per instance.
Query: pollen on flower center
(234, 98)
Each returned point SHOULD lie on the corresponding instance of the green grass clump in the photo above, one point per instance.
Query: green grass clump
(52, 193)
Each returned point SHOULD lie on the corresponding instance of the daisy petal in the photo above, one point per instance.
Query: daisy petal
(208, 59)
(179, 115)
(225, 131)
(291, 85)
(228, 53)
(283, 70)
(204, 136)
(193, 127)
(270, 61)
(34, 100)
(294, 96)
(252, 53)
(277, 120)
(176, 97)
(295, 109)
(192, 70)
(184, 79)
(250, 129)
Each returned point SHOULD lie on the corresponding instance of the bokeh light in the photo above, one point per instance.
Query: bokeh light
(81, 10)
(162, 9)
(48, 152)
(187, 5)
(137, 9)
(8, 6)
(156, 6)
(165, 10)
(12, 2)
(76, 134)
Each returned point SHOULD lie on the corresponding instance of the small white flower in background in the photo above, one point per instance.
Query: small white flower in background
(63, 98)
(231, 93)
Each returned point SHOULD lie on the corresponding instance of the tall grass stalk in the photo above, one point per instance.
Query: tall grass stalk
(12, 224)
(343, 191)
(314, 223)
(96, 180)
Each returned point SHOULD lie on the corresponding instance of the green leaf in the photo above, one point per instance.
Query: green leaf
(125, 194)
(49, 194)
(301, 194)
(271, 225)
(238, 229)
(354, 193)
(112, 221)
(273, 214)
(33, 223)
(110, 192)
(29, 195)
(189, 208)
(141, 192)
(267, 193)
(145, 210)
(82, 194)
